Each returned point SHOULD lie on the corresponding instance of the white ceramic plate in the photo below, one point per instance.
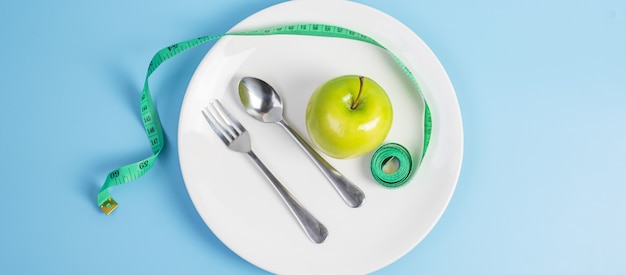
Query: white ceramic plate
(243, 210)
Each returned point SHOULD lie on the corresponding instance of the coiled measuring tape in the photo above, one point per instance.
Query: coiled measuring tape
(399, 173)
(152, 123)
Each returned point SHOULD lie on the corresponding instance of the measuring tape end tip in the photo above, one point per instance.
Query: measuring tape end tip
(108, 206)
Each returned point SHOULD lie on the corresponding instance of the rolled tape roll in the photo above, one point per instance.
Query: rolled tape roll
(380, 160)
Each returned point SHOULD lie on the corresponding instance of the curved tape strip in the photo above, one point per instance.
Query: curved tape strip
(152, 124)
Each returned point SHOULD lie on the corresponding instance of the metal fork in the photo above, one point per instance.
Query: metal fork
(236, 138)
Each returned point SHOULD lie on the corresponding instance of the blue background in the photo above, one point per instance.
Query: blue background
(541, 86)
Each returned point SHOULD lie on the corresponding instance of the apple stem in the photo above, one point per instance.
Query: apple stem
(355, 103)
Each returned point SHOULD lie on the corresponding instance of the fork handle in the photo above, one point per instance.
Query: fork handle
(313, 228)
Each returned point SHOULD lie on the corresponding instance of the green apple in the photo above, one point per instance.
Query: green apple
(348, 116)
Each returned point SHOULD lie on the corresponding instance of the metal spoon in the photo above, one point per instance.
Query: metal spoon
(263, 103)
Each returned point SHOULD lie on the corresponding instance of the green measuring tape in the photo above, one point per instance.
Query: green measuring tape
(396, 176)
(152, 123)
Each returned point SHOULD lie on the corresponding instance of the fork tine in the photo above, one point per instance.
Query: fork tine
(208, 115)
(228, 118)
(220, 115)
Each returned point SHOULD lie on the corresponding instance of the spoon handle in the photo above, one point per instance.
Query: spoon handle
(314, 229)
(350, 193)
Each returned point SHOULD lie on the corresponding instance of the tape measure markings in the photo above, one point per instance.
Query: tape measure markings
(152, 123)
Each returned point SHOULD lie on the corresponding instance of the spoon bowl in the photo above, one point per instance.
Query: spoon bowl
(260, 100)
